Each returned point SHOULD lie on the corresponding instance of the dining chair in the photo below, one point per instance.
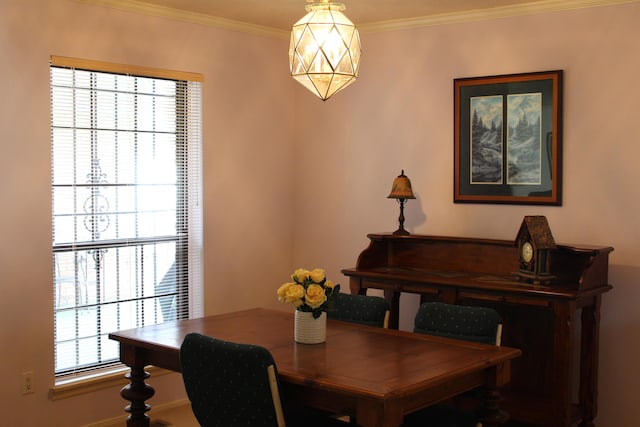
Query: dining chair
(366, 310)
(469, 323)
(236, 385)
(363, 309)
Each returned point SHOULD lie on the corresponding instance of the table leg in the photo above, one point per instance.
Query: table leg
(137, 392)
(490, 413)
(376, 414)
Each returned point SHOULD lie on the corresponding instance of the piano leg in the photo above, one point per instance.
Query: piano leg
(394, 301)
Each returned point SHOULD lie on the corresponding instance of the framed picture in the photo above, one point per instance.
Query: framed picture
(508, 139)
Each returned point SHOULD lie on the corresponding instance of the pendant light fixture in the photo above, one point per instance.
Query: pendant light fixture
(324, 52)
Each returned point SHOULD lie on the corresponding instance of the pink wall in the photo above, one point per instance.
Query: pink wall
(282, 191)
(399, 114)
(247, 153)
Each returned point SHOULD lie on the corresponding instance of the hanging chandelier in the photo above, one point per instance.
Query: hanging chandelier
(324, 52)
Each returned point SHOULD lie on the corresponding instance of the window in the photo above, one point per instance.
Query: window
(126, 210)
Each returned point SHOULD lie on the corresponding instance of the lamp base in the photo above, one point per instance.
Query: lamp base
(401, 232)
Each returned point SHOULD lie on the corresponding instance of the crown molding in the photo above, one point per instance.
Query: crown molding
(187, 16)
(534, 7)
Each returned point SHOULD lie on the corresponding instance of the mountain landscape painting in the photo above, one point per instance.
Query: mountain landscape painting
(486, 140)
(508, 139)
(524, 146)
(523, 142)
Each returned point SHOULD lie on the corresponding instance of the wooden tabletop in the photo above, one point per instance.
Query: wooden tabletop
(380, 374)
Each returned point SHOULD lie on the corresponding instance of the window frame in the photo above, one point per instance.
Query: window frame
(189, 179)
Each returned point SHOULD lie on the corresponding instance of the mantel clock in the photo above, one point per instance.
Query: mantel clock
(534, 241)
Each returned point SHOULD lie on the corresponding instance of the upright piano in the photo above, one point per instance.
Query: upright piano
(555, 324)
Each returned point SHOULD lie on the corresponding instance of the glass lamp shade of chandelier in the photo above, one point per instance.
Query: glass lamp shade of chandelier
(324, 52)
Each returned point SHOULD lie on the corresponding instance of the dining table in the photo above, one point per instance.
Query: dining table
(375, 374)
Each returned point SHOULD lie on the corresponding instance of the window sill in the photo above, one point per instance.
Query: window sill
(88, 384)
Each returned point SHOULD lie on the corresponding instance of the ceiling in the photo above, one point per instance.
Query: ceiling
(277, 16)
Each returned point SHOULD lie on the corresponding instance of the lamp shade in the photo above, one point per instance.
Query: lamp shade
(324, 51)
(401, 188)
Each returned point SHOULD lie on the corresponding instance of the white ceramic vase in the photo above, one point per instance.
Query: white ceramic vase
(308, 330)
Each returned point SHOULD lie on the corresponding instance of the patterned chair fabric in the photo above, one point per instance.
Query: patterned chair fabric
(480, 324)
(236, 385)
(362, 309)
(227, 383)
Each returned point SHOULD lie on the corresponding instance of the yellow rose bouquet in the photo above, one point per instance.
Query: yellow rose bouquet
(310, 291)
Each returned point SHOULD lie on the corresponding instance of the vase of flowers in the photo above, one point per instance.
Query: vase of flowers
(310, 293)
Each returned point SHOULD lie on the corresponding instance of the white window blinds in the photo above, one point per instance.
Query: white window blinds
(127, 223)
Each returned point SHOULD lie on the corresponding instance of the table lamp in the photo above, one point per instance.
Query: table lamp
(401, 191)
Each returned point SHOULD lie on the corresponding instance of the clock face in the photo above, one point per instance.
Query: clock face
(527, 252)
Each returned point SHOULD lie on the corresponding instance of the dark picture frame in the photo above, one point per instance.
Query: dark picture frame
(508, 139)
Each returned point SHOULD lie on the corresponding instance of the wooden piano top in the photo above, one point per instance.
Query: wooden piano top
(473, 262)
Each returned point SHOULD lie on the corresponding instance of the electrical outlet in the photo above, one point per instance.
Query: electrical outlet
(27, 382)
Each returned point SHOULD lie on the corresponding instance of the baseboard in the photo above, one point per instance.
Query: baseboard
(157, 415)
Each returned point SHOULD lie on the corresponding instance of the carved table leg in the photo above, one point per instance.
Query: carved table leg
(490, 413)
(136, 393)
